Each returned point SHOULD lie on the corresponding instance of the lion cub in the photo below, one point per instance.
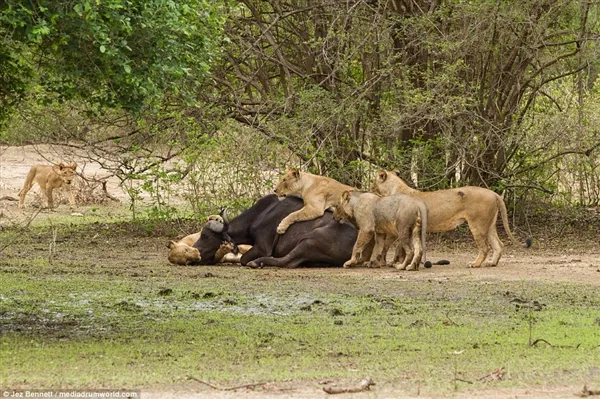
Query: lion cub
(317, 192)
(48, 178)
(398, 219)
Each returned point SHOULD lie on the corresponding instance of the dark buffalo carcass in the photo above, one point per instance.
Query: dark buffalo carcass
(321, 241)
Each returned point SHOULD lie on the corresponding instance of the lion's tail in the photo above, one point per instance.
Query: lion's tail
(504, 214)
(424, 214)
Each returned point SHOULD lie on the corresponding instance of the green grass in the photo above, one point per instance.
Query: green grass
(110, 311)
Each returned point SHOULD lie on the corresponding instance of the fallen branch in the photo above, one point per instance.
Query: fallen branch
(226, 389)
(585, 392)
(8, 198)
(450, 321)
(461, 380)
(364, 385)
(537, 341)
(495, 375)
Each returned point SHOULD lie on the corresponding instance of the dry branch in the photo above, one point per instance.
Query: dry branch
(495, 375)
(585, 392)
(364, 385)
(256, 384)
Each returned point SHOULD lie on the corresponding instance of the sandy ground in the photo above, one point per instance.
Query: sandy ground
(15, 162)
(273, 391)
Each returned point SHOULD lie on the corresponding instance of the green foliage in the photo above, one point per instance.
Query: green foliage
(110, 53)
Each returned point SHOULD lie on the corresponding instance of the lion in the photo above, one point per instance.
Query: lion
(450, 208)
(398, 219)
(184, 253)
(49, 177)
(317, 192)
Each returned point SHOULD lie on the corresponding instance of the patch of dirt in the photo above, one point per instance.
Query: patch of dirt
(15, 163)
(388, 391)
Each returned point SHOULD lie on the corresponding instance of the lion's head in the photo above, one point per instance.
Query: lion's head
(385, 183)
(289, 184)
(66, 172)
(343, 210)
(182, 254)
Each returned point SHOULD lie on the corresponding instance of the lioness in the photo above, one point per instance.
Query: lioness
(184, 253)
(317, 192)
(397, 219)
(450, 208)
(48, 178)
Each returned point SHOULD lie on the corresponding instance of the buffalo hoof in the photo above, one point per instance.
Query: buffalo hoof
(428, 265)
(253, 265)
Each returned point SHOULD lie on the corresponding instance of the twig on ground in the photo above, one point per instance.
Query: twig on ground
(364, 385)
(461, 380)
(537, 341)
(585, 392)
(495, 375)
(452, 322)
(8, 198)
(256, 384)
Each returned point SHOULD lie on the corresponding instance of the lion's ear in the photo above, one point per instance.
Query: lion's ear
(73, 166)
(381, 175)
(295, 173)
(396, 172)
(62, 165)
(171, 244)
(346, 196)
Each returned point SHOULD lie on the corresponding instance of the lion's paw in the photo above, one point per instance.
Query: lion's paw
(400, 266)
(226, 245)
(282, 228)
(349, 263)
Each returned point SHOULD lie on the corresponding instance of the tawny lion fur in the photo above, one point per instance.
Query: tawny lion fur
(317, 192)
(450, 208)
(49, 177)
(182, 252)
(397, 220)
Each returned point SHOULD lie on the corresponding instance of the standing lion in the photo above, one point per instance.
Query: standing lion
(450, 208)
(49, 177)
(397, 220)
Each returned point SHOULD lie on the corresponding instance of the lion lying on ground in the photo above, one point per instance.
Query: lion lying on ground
(450, 208)
(184, 253)
(399, 219)
(317, 192)
(49, 178)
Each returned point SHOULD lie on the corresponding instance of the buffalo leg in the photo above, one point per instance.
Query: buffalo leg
(307, 251)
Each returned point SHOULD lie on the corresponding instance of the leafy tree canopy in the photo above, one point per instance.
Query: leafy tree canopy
(128, 54)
